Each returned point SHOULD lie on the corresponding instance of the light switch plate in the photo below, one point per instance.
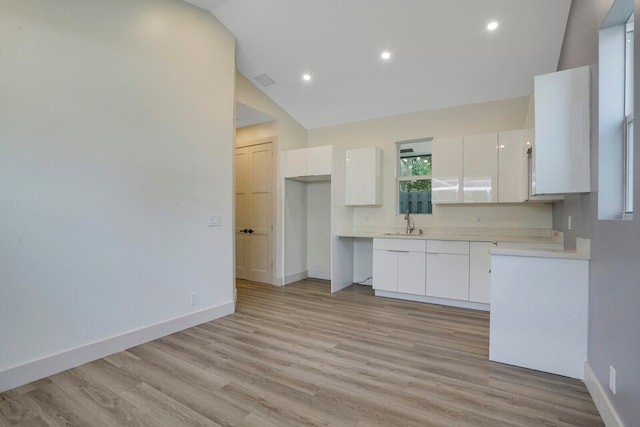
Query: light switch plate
(214, 220)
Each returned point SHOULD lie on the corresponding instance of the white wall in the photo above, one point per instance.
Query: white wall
(486, 117)
(319, 229)
(295, 226)
(613, 279)
(116, 139)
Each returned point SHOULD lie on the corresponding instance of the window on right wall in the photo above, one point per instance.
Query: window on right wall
(628, 107)
(615, 113)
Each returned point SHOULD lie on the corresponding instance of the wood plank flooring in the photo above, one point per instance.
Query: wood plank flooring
(299, 356)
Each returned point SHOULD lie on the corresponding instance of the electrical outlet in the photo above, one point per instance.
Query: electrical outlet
(195, 298)
(569, 223)
(612, 379)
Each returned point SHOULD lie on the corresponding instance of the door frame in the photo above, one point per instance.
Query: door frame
(274, 197)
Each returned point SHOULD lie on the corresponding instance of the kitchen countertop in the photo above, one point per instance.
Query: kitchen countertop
(542, 253)
(489, 235)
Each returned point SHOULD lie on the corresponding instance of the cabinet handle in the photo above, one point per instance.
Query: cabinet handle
(394, 250)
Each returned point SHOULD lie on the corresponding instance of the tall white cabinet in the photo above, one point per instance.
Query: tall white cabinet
(512, 167)
(363, 176)
(480, 168)
(561, 145)
(310, 224)
(447, 170)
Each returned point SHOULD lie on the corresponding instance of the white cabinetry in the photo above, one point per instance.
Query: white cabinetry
(385, 268)
(363, 180)
(446, 175)
(308, 164)
(512, 167)
(539, 313)
(480, 167)
(562, 132)
(448, 269)
(480, 272)
(399, 265)
(490, 168)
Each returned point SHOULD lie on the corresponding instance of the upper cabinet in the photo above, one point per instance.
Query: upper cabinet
(308, 164)
(480, 168)
(363, 179)
(485, 168)
(560, 147)
(447, 170)
(512, 167)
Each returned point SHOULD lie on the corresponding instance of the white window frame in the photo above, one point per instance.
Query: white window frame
(629, 119)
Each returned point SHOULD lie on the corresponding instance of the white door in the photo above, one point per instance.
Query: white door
(254, 212)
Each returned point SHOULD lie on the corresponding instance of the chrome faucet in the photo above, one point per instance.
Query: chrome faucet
(410, 227)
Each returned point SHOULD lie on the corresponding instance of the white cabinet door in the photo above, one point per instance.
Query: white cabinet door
(363, 180)
(319, 160)
(512, 167)
(308, 162)
(448, 276)
(385, 270)
(539, 320)
(480, 168)
(447, 169)
(411, 273)
(562, 132)
(295, 163)
(480, 272)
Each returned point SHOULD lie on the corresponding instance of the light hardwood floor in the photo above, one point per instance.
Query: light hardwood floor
(297, 356)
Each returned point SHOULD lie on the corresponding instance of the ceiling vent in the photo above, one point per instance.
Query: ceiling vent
(264, 80)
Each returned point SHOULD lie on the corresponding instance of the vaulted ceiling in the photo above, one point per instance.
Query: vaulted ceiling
(441, 52)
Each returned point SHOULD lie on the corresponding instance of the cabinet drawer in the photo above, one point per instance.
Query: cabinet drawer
(408, 245)
(448, 247)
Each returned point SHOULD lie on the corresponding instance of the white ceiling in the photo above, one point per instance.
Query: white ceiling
(442, 53)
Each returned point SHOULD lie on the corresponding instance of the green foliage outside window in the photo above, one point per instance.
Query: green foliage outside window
(416, 166)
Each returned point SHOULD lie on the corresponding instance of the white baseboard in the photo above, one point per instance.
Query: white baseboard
(600, 398)
(290, 278)
(46, 366)
(320, 274)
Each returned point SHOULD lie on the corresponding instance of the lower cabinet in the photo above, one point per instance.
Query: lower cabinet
(411, 273)
(452, 269)
(448, 269)
(399, 265)
(385, 270)
(480, 272)
(540, 313)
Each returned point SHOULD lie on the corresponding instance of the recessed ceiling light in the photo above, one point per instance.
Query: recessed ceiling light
(385, 55)
(306, 77)
(492, 26)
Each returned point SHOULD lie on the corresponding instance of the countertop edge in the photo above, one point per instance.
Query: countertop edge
(542, 253)
(471, 237)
